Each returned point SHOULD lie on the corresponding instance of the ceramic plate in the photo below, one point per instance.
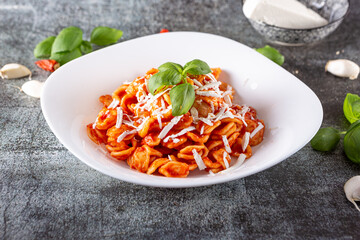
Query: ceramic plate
(291, 111)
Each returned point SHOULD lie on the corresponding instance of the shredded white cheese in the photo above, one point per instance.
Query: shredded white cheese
(256, 130)
(226, 143)
(202, 130)
(241, 159)
(197, 82)
(228, 100)
(208, 94)
(124, 134)
(225, 160)
(168, 127)
(119, 117)
(182, 132)
(113, 104)
(159, 120)
(211, 173)
(142, 124)
(194, 112)
(245, 141)
(176, 140)
(206, 121)
(210, 85)
(198, 160)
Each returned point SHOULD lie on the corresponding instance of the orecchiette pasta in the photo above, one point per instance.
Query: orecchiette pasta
(139, 127)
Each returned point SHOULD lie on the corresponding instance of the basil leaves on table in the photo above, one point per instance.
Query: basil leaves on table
(43, 49)
(69, 43)
(103, 36)
(351, 107)
(272, 54)
(326, 139)
(182, 96)
(352, 142)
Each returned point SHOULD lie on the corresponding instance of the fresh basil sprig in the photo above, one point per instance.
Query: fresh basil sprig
(351, 107)
(271, 53)
(182, 96)
(352, 142)
(43, 49)
(103, 36)
(69, 43)
(326, 139)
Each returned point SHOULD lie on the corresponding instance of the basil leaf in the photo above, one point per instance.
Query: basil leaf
(86, 47)
(103, 36)
(43, 49)
(182, 98)
(352, 142)
(351, 107)
(196, 67)
(170, 65)
(272, 54)
(161, 79)
(65, 57)
(67, 40)
(325, 139)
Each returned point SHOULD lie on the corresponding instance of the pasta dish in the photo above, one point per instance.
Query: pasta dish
(208, 132)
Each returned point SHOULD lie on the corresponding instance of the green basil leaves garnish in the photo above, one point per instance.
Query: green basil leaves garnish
(64, 57)
(103, 36)
(351, 107)
(43, 49)
(352, 142)
(86, 47)
(160, 80)
(272, 54)
(67, 40)
(325, 139)
(197, 67)
(182, 96)
(69, 43)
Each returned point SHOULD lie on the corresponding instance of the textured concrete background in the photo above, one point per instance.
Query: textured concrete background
(45, 192)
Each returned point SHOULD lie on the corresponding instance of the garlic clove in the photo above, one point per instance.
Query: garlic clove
(352, 190)
(14, 70)
(343, 68)
(33, 88)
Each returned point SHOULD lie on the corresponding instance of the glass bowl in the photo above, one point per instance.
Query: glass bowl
(332, 10)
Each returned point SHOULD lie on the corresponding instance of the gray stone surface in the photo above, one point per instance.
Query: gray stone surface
(45, 192)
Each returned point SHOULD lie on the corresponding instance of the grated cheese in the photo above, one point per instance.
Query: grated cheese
(119, 117)
(211, 76)
(208, 94)
(142, 124)
(228, 100)
(124, 134)
(212, 107)
(226, 143)
(211, 173)
(182, 132)
(225, 160)
(159, 120)
(113, 104)
(168, 127)
(206, 121)
(241, 159)
(202, 130)
(256, 130)
(210, 85)
(198, 160)
(194, 112)
(245, 141)
(169, 158)
(197, 82)
(176, 140)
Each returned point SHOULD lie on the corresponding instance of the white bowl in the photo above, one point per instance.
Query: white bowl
(291, 111)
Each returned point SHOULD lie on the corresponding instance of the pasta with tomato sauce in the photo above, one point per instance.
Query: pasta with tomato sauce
(138, 127)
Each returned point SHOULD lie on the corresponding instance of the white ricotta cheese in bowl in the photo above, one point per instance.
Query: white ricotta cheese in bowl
(283, 13)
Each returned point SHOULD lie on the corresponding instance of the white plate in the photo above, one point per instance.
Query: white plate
(291, 111)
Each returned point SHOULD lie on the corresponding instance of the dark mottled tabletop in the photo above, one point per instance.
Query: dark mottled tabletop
(46, 192)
